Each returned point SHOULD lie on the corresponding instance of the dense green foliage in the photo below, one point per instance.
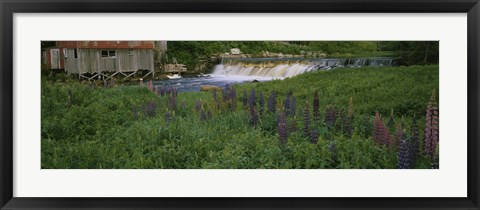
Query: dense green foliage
(189, 52)
(407, 52)
(96, 128)
(413, 52)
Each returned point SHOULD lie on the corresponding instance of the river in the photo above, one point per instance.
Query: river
(241, 70)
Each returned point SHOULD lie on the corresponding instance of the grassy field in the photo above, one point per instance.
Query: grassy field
(132, 127)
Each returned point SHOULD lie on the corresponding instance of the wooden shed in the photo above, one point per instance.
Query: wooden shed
(103, 58)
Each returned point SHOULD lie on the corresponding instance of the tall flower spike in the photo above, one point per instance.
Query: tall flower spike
(314, 136)
(272, 102)
(252, 99)
(404, 157)
(380, 133)
(162, 91)
(431, 127)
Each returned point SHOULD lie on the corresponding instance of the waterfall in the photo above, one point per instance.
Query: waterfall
(287, 67)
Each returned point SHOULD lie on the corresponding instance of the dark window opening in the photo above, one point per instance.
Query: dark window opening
(104, 53)
(111, 53)
(108, 53)
(75, 53)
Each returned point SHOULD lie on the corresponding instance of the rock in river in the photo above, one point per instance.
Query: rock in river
(209, 88)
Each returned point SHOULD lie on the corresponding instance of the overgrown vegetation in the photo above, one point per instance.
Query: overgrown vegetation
(407, 52)
(143, 127)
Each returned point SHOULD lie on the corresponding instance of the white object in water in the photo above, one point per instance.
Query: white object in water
(175, 76)
(203, 75)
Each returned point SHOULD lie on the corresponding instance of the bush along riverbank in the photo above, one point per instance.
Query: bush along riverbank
(384, 117)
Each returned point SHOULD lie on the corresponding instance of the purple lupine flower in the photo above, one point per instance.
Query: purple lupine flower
(151, 109)
(431, 127)
(316, 107)
(314, 136)
(404, 156)
(293, 106)
(261, 102)
(162, 91)
(245, 98)
(198, 105)
(172, 102)
(252, 99)
(282, 128)
(306, 121)
(167, 90)
(134, 112)
(380, 131)
(272, 102)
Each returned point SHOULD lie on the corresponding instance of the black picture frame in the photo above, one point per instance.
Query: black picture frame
(10, 7)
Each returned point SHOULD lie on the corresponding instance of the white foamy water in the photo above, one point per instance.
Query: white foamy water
(278, 68)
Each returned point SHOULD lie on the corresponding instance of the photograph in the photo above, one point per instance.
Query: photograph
(227, 104)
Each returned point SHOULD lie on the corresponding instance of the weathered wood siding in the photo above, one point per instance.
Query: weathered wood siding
(91, 60)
